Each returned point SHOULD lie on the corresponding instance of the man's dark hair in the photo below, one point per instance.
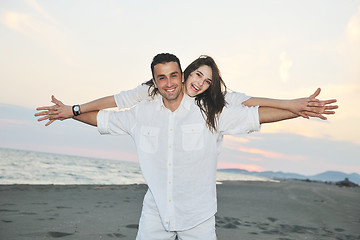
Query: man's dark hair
(160, 58)
(164, 58)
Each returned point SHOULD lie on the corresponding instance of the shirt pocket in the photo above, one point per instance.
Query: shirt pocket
(192, 137)
(149, 139)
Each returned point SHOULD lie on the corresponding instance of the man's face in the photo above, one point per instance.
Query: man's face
(168, 80)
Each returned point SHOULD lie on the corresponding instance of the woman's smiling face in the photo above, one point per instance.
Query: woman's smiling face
(198, 81)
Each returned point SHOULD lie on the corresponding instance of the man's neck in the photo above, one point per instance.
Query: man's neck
(172, 105)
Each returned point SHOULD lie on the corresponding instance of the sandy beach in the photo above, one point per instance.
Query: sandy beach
(246, 210)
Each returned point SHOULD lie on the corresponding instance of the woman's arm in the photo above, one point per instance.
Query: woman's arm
(129, 98)
(60, 111)
(270, 114)
(124, 99)
(305, 107)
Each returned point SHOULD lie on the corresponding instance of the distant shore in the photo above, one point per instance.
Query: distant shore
(246, 210)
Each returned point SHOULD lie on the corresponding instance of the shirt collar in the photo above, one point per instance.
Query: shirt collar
(185, 103)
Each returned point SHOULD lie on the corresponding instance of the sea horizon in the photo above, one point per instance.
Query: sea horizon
(18, 166)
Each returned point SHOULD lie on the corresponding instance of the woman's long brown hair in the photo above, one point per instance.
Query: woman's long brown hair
(212, 101)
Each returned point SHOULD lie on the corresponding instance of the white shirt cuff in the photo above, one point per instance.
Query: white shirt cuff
(256, 122)
(103, 122)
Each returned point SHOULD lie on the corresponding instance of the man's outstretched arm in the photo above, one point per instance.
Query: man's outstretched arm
(269, 115)
(88, 118)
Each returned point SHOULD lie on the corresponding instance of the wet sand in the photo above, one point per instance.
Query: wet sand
(246, 210)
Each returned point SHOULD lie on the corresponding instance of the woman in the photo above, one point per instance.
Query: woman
(202, 81)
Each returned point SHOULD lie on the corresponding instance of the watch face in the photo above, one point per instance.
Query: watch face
(76, 108)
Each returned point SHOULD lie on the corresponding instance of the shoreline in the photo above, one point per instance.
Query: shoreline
(289, 209)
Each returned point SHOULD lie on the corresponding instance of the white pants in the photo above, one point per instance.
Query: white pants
(151, 228)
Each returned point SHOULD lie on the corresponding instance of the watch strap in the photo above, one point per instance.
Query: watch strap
(76, 112)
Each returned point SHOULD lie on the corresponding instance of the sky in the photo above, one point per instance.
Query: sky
(82, 50)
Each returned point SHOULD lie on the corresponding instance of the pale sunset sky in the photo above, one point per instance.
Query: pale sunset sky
(80, 50)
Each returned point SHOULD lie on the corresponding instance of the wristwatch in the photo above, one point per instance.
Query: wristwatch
(76, 110)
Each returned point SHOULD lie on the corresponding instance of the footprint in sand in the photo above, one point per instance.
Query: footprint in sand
(116, 235)
(8, 210)
(6, 221)
(271, 219)
(63, 207)
(58, 234)
(228, 222)
(133, 226)
(105, 205)
(39, 203)
(8, 204)
(28, 213)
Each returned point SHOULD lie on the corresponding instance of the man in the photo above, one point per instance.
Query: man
(178, 153)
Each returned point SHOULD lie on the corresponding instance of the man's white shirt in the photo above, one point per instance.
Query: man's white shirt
(178, 154)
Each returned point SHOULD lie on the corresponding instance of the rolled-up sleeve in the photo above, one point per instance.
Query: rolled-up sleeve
(236, 98)
(239, 120)
(129, 98)
(115, 123)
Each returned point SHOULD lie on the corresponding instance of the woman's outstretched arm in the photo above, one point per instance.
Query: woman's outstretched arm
(305, 107)
(60, 111)
(124, 99)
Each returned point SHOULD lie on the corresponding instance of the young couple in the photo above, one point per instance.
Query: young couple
(177, 136)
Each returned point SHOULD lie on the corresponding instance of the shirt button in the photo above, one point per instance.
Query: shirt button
(170, 201)
(169, 182)
(169, 146)
(169, 164)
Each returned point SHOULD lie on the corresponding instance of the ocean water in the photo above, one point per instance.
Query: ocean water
(28, 167)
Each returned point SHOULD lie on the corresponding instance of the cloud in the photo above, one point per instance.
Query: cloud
(44, 33)
(248, 167)
(228, 138)
(349, 48)
(35, 5)
(12, 122)
(341, 126)
(285, 66)
(13, 20)
(353, 42)
(353, 26)
(257, 153)
(270, 154)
